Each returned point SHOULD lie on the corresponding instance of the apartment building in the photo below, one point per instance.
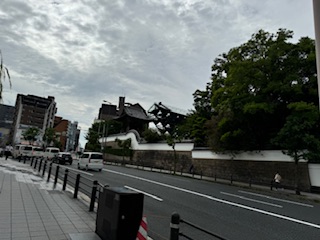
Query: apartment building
(67, 133)
(32, 111)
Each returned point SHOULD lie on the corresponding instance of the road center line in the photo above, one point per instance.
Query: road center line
(250, 199)
(276, 199)
(219, 200)
(145, 193)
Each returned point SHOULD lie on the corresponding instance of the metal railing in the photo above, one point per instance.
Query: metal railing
(68, 177)
(175, 229)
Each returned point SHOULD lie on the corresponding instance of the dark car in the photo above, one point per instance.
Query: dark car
(63, 158)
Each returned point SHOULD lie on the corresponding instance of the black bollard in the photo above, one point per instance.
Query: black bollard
(44, 168)
(93, 195)
(65, 180)
(49, 173)
(174, 226)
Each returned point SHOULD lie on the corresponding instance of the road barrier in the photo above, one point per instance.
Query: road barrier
(79, 183)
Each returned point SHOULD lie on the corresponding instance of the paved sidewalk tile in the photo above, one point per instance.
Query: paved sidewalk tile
(30, 211)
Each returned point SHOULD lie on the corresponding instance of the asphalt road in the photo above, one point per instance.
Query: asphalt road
(230, 212)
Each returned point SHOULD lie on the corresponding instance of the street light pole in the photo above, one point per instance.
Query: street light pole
(316, 14)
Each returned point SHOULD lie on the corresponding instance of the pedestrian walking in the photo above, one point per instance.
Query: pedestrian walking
(7, 152)
(277, 180)
(191, 169)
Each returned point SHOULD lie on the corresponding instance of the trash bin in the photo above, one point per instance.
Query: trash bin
(119, 213)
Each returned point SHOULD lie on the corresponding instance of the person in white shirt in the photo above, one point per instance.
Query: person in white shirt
(277, 180)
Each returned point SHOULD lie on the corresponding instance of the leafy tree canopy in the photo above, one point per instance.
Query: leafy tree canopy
(49, 136)
(152, 135)
(246, 103)
(30, 134)
(101, 129)
(300, 135)
(4, 73)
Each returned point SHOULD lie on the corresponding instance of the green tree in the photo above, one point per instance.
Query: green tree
(99, 130)
(253, 84)
(49, 136)
(125, 145)
(175, 136)
(194, 126)
(4, 73)
(300, 136)
(30, 134)
(152, 135)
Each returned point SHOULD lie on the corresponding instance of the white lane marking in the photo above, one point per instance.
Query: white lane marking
(277, 199)
(218, 200)
(250, 199)
(145, 193)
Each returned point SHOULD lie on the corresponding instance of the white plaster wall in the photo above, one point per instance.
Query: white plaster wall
(135, 145)
(314, 173)
(269, 155)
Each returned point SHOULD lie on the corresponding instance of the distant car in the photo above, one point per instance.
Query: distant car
(63, 158)
(91, 160)
(22, 151)
(37, 152)
(51, 152)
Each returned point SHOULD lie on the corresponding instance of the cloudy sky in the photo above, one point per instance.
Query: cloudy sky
(85, 51)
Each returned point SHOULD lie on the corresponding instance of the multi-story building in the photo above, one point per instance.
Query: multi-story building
(72, 137)
(32, 111)
(67, 134)
(6, 120)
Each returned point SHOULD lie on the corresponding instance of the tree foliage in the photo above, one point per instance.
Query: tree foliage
(4, 74)
(246, 103)
(194, 126)
(101, 129)
(30, 134)
(152, 135)
(300, 135)
(49, 136)
(125, 145)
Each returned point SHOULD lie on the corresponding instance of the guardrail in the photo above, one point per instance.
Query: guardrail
(86, 186)
(175, 229)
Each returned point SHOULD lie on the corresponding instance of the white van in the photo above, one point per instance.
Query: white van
(37, 152)
(22, 151)
(51, 152)
(91, 160)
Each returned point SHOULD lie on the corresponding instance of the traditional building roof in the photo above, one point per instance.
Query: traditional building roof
(165, 118)
(134, 111)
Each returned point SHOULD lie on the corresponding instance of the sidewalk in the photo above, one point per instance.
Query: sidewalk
(31, 209)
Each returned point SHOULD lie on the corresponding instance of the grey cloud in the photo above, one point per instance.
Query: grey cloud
(156, 50)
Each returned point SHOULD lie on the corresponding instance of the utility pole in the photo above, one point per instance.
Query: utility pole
(316, 14)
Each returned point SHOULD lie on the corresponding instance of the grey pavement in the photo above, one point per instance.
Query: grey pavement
(289, 193)
(31, 209)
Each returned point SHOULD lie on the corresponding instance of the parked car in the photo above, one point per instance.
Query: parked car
(63, 158)
(37, 152)
(22, 151)
(91, 160)
(51, 152)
